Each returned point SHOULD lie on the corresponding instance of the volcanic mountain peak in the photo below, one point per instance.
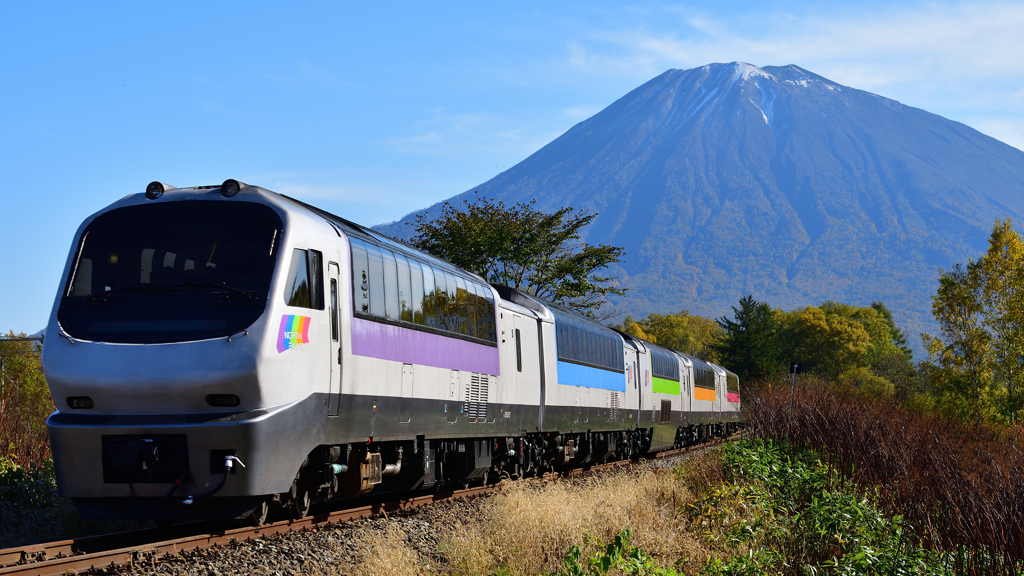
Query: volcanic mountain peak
(730, 179)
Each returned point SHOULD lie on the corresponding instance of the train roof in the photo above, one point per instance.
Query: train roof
(351, 228)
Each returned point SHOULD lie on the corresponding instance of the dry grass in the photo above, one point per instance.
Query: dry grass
(388, 553)
(527, 528)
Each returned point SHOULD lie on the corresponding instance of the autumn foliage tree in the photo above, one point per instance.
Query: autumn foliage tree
(980, 310)
(519, 246)
(682, 331)
(25, 403)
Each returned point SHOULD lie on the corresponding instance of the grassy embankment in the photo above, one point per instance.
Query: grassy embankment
(865, 487)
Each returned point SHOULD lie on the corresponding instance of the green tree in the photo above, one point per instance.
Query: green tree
(537, 252)
(750, 343)
(965, 344)
(825, 341)
(1001, 272)
(882, 331)
(898, 337)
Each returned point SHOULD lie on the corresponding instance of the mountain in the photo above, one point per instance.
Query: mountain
(730, 179)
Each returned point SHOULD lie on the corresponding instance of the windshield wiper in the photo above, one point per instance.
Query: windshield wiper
(171, 288)
(136, 288)
(207, 283)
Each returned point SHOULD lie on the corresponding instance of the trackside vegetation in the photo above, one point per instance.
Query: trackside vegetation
(958, 488)
(751, 508)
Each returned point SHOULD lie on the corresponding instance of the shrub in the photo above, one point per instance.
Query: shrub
(959, 489)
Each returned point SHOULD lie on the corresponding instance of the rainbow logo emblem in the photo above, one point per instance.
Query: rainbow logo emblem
(294, 331)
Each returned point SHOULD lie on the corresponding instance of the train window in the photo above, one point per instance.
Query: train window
(206, 267)
(416, 292)
(404, 289)
(334, 310)
(492, 334)
(471, 303)
(429, 297)
(441, 299)
(360, 278)
(481, 312)
(297, 292)
(463, 314)
(316, 278)
(305, 280)
(376, 274)
(453, 303)
(519, 351)
(391, 309)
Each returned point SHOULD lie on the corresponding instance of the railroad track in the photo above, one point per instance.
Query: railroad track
(126, 548)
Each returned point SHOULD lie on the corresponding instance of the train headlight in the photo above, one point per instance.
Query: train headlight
(222, 400)
(230, 187)
(80, 402)
(156, 190)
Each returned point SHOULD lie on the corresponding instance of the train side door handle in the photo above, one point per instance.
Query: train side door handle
(339, 355)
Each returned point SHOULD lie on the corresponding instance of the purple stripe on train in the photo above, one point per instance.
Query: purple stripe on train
(389, 342)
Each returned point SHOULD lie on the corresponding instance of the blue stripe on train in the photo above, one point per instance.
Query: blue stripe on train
(575, 375)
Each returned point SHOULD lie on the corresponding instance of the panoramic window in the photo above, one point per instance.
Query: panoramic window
(391, 286)
(583, 342)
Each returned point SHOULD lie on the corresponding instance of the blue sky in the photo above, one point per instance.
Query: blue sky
(374, 111)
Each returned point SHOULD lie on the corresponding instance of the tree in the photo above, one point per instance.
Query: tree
(964, 347)
(898, 337)
(750, 344)
(521, 247)
(825, 341)
(694, 335)
(1001, 272)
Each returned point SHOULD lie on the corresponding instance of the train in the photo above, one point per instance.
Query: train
(229, 352)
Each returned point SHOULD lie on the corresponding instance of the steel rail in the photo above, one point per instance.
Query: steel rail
(134, 547)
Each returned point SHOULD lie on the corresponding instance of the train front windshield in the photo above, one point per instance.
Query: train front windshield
(171, 272)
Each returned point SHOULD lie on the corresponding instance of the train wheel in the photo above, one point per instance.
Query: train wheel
(258, 517)
(300, 505)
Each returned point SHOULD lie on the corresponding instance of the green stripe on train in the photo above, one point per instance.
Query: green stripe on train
(663, 386)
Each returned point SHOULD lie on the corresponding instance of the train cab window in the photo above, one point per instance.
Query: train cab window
(416, 292)
(360, 277)
(429, 296)
(376, 273)
(404, 289)
(391, 308)
(305, 280)
(173, 272)
(334, 310)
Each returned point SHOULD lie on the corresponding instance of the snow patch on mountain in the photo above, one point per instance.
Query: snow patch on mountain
(748, 71)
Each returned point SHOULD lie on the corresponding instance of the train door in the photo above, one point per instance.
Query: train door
(685, 394)
(334, 389)
(643, 375)
(632, 382)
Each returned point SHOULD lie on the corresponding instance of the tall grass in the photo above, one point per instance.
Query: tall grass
(960, 488)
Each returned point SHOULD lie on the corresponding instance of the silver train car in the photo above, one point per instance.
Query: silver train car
(225, 351)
